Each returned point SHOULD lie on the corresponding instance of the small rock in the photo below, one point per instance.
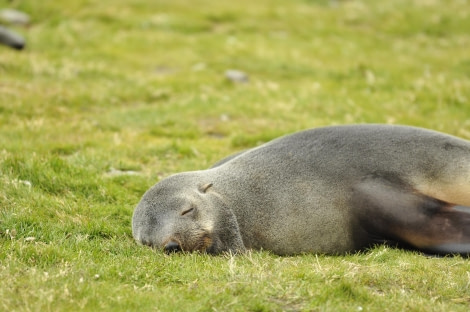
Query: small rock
(14, 17)
(11, 39)
(236, 76)
(113, 172)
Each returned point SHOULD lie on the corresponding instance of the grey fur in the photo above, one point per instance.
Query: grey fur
(328, 190)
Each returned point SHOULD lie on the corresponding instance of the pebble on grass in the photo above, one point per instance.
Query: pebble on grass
(113, 172)
(16, 17)
(236, 76)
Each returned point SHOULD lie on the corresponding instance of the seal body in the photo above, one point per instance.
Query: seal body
(328, 190)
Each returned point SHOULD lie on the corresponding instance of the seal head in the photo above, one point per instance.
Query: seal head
(183, 213)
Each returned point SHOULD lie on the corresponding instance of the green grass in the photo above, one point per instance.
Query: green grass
(107, 88)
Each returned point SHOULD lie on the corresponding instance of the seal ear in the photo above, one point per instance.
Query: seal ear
(203, 188)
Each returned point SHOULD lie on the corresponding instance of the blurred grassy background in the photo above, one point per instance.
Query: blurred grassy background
(110, 96)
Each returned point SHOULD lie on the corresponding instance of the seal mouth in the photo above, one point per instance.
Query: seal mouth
(199, 243)
(204, 243)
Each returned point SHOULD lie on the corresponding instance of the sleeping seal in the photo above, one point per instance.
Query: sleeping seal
(330, 190)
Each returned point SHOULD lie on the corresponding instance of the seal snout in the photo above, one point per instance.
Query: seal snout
(172, 247)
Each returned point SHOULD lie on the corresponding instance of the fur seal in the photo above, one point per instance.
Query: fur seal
(330, 190)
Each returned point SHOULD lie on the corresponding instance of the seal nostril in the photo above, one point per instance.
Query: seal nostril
(172, 247)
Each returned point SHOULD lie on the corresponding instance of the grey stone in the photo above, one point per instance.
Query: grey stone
(236, 76)
(11, 39)
(14, 17)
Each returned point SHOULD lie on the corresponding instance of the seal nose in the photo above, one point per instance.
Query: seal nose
(172, 247)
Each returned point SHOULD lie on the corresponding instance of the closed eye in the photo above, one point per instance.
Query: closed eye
(187, 211)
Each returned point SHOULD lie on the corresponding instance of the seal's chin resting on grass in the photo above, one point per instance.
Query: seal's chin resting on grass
(329, 190)
(198, 220)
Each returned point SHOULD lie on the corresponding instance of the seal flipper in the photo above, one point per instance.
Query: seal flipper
(394, 212)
